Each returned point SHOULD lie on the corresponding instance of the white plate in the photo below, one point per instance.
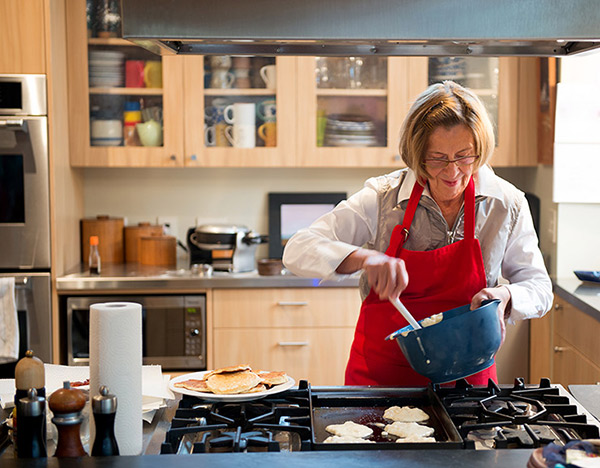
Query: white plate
(238, 397)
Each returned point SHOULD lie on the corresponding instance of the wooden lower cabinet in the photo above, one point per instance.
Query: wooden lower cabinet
(318, 355)
(306, 332)
(565, 346)
(572, 367)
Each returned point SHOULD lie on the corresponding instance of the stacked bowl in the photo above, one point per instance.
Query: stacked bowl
(106, 68)
(349, 130)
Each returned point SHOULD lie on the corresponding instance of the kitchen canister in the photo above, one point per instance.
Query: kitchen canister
(132, 239)
(110, 238)
(158, 250)
(116, 362)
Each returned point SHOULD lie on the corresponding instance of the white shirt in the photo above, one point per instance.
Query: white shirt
(506, 234)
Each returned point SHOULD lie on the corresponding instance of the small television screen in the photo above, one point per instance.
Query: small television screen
(290, 212)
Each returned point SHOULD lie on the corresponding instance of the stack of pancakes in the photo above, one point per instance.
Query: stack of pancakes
(234, 380)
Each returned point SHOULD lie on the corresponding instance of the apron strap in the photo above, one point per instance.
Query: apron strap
(469, 213)
(401, 231)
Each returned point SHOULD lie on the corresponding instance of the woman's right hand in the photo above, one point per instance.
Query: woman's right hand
(386, 275)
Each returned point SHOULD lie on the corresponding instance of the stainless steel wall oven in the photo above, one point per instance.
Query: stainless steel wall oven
(25, 209)
(173, 329)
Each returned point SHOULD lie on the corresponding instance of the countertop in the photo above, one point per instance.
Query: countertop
(333, 459)
(581, 294)
(127, 277)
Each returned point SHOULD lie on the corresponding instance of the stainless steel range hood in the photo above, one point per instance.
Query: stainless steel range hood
(363, 27)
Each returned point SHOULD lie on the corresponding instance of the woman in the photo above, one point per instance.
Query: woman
(438, 234)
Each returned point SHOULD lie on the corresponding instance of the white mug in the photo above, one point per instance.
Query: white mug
(269, 75)
(222, 79)
(240, 113)
(210, 135)
(241, 136)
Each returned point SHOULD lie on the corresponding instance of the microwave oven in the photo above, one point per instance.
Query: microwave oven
(173, 329)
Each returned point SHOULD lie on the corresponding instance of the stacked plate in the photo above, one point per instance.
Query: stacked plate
(349, 130)
(106, 68)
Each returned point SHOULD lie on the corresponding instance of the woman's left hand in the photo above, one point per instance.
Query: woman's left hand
(499, 292)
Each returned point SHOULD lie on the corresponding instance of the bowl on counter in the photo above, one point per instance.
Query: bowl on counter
(270, 267)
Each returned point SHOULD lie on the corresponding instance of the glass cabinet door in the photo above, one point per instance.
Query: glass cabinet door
(120, 110)
(494, 80)
(239, 110)
(350, 110)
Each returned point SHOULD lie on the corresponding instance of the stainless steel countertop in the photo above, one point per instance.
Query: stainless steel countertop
(129, 277)
(581, 294)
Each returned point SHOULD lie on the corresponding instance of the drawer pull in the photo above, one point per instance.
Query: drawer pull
(292, 303)
(559, 349)
(293, 343)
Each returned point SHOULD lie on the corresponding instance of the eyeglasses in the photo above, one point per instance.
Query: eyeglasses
(442, 163)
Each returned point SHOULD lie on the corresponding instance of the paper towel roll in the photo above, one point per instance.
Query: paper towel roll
(116, 361)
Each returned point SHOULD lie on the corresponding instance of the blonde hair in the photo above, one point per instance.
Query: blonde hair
(444, 105)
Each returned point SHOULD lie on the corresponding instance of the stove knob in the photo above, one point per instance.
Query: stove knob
(194, 332)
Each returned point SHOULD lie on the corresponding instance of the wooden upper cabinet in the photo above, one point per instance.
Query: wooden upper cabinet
(215, 87)
(100, 94)
(22, 35)
(299, 111)
(350, 110)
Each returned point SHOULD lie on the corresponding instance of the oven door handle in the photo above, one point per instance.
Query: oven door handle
(21, 280)
(13, 123)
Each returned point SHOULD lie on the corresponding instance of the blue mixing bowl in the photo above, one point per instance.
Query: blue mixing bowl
(462, 344)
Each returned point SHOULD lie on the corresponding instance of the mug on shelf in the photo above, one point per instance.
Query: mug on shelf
(269, 75)
(241, 113)
(150, 133)
(134, 73)
(267, 110)
(107, 132)
(210, 135)
(153, 74)
(220, 136)
(268, 133)
(222, 79)
(241, 136)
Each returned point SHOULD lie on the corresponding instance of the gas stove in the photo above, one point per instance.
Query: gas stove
(463, 417)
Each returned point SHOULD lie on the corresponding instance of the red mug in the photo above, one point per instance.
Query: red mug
(134, 74)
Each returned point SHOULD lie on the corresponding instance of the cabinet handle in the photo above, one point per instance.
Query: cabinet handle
(559, 349)
(557, 306)
(173, 157)
(293, 343)
(292, 303)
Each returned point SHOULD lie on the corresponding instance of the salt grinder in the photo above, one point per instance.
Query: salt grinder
(31, 426)
(104, 407)
(67, 403)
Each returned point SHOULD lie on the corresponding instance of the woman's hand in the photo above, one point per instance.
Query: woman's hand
(386, 275)
(499, 292)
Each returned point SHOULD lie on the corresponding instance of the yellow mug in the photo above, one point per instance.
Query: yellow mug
(268, 133)
(153, 74)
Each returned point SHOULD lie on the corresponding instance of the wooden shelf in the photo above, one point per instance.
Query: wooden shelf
(240, 92)
(109, 41)
(352, 92)
(128, 91)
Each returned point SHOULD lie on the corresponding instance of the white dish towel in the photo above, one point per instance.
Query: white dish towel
(9, 325)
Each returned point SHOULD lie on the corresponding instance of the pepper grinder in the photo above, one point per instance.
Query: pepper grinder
(31, 426)
(104, 407)
(29, 373)
(67, 403)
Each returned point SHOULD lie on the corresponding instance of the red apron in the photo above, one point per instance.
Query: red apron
(439, 280)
